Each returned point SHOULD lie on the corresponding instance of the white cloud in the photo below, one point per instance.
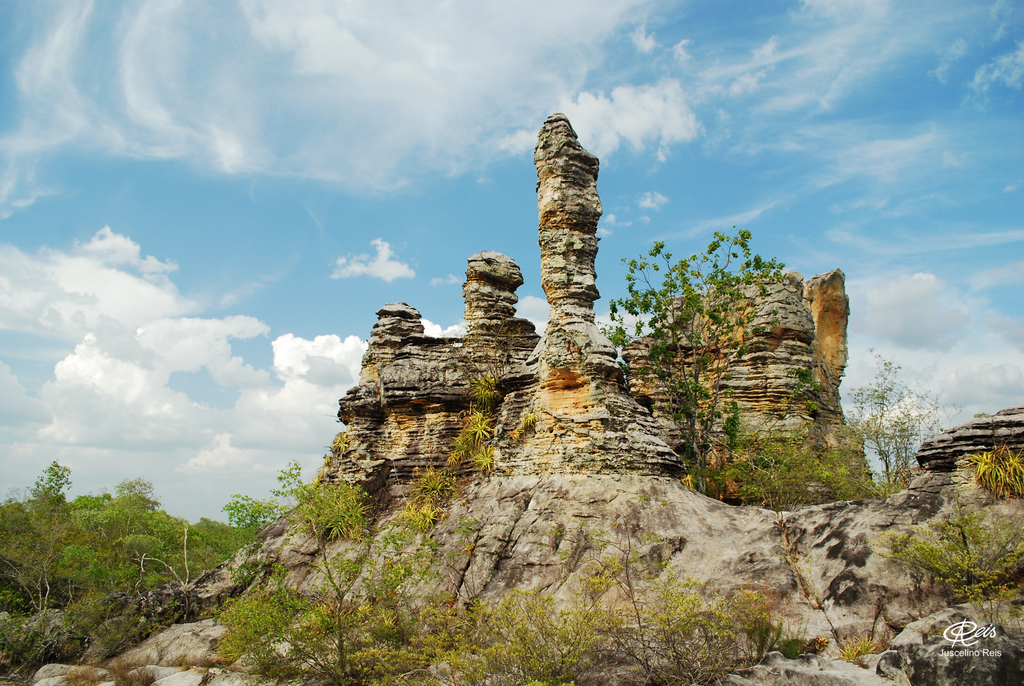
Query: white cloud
(652, 200)
(110, 411)
(679, 50)
(1006, 69)
(535, 309)
(447, 280)
(435, 330)
(644, 43)
(640, 115)
(914, 311)
(381, 266)
(1011, 329)
(995, 385)
(950, 55)
(1005, 275)
(362, 93)
(18, 409)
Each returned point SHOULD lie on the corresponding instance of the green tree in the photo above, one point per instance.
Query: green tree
(893, 419)
(695, 319)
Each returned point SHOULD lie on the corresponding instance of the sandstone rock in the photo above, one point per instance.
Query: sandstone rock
(994, 661)
(584, 420)
(152, 672)
(1002, 429)
(799, 336)
(50, 671)
(52, 681)
(181, 645)
(192, 677)
(806, 670)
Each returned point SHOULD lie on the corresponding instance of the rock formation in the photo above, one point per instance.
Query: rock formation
(413, 388)
(585, 421)
(1002, 429)
(795, 357)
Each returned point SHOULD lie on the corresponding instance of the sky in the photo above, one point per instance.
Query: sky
(203, 204)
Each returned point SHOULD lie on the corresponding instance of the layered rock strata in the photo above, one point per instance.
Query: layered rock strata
(795, 357)
(1004, 429)
(414, 389)
(574, 415)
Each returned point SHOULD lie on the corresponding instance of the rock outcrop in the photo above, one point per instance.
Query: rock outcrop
(795, 358)
(413, 389)
(583, 419)
(1004, 429)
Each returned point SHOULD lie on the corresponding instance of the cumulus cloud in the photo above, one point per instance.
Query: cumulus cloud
(535, 309)
(109, 408)
(640, 115)
(435, 330)
(992, 385)
(381, 266)
(913, 311)
(652, 200)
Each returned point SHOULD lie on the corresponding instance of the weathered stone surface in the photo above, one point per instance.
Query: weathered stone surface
(182, 645)
(571, 386)
(922, 656)
(414, 389)
(50, 671)
(798, 336)
(1002, 429)
(153, 672)
(192, 677)
(806, 670)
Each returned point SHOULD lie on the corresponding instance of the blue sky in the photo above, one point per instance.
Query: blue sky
(203, 204)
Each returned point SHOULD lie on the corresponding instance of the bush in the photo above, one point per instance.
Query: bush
(783, 471)
(977, 555)
(1000, 471)
(682, 634)
(27, 643)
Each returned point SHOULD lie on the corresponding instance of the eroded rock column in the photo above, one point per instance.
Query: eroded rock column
(585, 421)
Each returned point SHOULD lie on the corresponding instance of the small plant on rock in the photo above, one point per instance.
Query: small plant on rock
(1000, 471)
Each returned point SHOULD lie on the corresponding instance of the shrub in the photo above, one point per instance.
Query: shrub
(523, 639)
(331, 511)
(679, 633)
(783, 471)
(977, 555)
(1000, 471)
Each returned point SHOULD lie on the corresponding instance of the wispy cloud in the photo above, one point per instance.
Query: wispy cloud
(644, 43)
(1007, 70)
(380, 266)
(444, 280)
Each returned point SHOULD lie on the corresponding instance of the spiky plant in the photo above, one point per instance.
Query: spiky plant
(433, 485)
(483, 459)
(340, 443)
(485, 394)
(1001, 471)
(478, 428)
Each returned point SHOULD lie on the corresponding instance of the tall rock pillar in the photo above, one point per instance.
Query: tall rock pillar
(585, 419)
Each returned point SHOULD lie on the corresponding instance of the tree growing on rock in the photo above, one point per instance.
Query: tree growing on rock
(893, 419)
(694, 313)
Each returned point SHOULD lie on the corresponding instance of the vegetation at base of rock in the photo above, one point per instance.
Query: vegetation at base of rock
(893, 419)
(783, 470)
(978, 555)
(73, 570)
(1000, 471)
(429, 492)
(363, 624)
(694, 312)
(858, 647)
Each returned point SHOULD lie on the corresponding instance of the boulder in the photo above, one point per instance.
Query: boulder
(807, 670)
(1002, 429)
(181, 645)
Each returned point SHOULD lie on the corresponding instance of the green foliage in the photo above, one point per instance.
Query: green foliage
(358, 625)
(332, 511)
(781, 470)
(681, 633)
(429, 491)
(485, 394)
(340, 443)
(977, 555)
(483, 460)
(893, 420)
(528, 421)
(524, 639)
(695, 318)
(78, 555)
(1001, 471)
(27, 642)
(857, 647)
